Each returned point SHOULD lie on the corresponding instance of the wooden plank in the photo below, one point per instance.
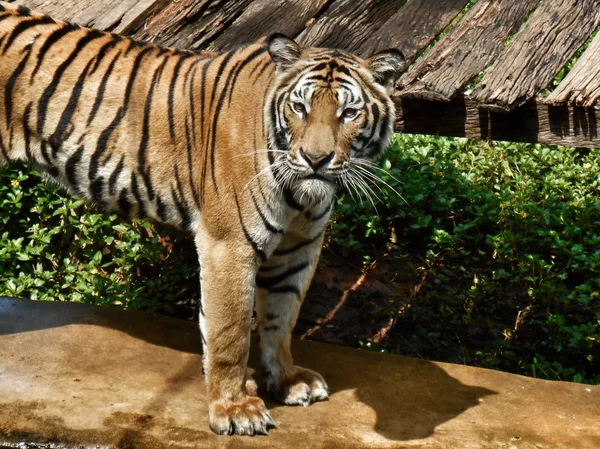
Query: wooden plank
(531, 122)
(120, 16)
(347, 23)
(191, 24)
(413, 27)
(451, 63)
(581, 86)
(552, 35)
(264, 17)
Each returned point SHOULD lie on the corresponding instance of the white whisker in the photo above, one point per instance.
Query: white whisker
(376, 178)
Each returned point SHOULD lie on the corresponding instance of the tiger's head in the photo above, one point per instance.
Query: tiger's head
(329, 113)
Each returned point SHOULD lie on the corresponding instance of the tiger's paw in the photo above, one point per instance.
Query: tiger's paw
(248, 417)
(303, 387)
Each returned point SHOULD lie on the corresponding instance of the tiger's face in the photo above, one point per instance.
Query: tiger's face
(328, 115)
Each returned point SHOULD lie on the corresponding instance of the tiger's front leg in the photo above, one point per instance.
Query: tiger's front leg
(227, 277)
(281, 286)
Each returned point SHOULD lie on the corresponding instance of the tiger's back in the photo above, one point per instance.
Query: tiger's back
(122, 123)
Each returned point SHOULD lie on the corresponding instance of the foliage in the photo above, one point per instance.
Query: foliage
(504, 244)
(53, 247)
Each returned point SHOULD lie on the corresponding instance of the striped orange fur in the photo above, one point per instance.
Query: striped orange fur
(242, 149)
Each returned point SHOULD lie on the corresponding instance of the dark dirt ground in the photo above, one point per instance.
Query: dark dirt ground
(351, 306)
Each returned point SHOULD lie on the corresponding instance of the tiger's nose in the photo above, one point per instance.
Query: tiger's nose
(316, 160)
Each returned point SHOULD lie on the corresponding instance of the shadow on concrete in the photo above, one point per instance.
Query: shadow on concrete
(409, 397)
(15, 317)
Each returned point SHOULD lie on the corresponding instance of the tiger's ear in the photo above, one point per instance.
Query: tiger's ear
(284, 51)
(386, 67)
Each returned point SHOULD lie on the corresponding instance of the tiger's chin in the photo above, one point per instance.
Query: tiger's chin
(312, 190)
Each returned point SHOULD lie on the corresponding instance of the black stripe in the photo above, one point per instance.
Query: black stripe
(60, 133)
(257, 171)
(101, 145)
(10, 84)
(190, 167)
(104, 51)
(217, 112)
(114, 176)
(71, 168)
(264, 269)
(375, 112)
(192, 99)
(97, 189)
(217, 78)
(202, 100)
(252, 243)
(124, 204)
(344, 70)
(251, 57)
(343, 81)
(146, 132)
(270, 316)
(52, 38)
(161, 208)
(24, 11)
(270, 227)
(289, 199)
(132, 76)
(270, 328)
(26, 133)
(316, 78)
(180, 202)
(49, 91)
(107, 132)
(135, 189)
(285, 289)
(269, 282)
(322, 214)
(23, 26)
(4, 150)
(172, 95)
(44, 150)
(264, 65)
(297, 246)
(102, 89)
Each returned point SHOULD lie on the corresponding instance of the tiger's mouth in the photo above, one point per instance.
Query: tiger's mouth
(316, 176)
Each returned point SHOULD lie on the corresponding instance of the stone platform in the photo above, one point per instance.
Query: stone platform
(76, 376)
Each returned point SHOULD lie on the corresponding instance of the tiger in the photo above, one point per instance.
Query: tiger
(242, 149)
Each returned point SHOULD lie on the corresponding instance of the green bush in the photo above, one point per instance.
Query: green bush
(53, 247)
(502, 243)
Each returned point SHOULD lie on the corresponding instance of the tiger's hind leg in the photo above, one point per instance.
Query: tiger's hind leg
(282, 284)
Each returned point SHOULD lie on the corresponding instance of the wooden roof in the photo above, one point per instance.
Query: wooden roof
(480, 69)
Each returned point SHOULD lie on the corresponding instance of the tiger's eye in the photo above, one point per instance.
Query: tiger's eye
(349, 114)
(298, 107)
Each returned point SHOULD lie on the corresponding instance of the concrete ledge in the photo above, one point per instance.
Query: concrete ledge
(84, 376)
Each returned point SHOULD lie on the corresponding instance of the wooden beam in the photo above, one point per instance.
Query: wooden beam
(450, 64)
(347, 23)
(531, 122)
(264, 17)
(549, 38)
(191, 24)
(413, 27)
(121, 16)
(581, 86)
